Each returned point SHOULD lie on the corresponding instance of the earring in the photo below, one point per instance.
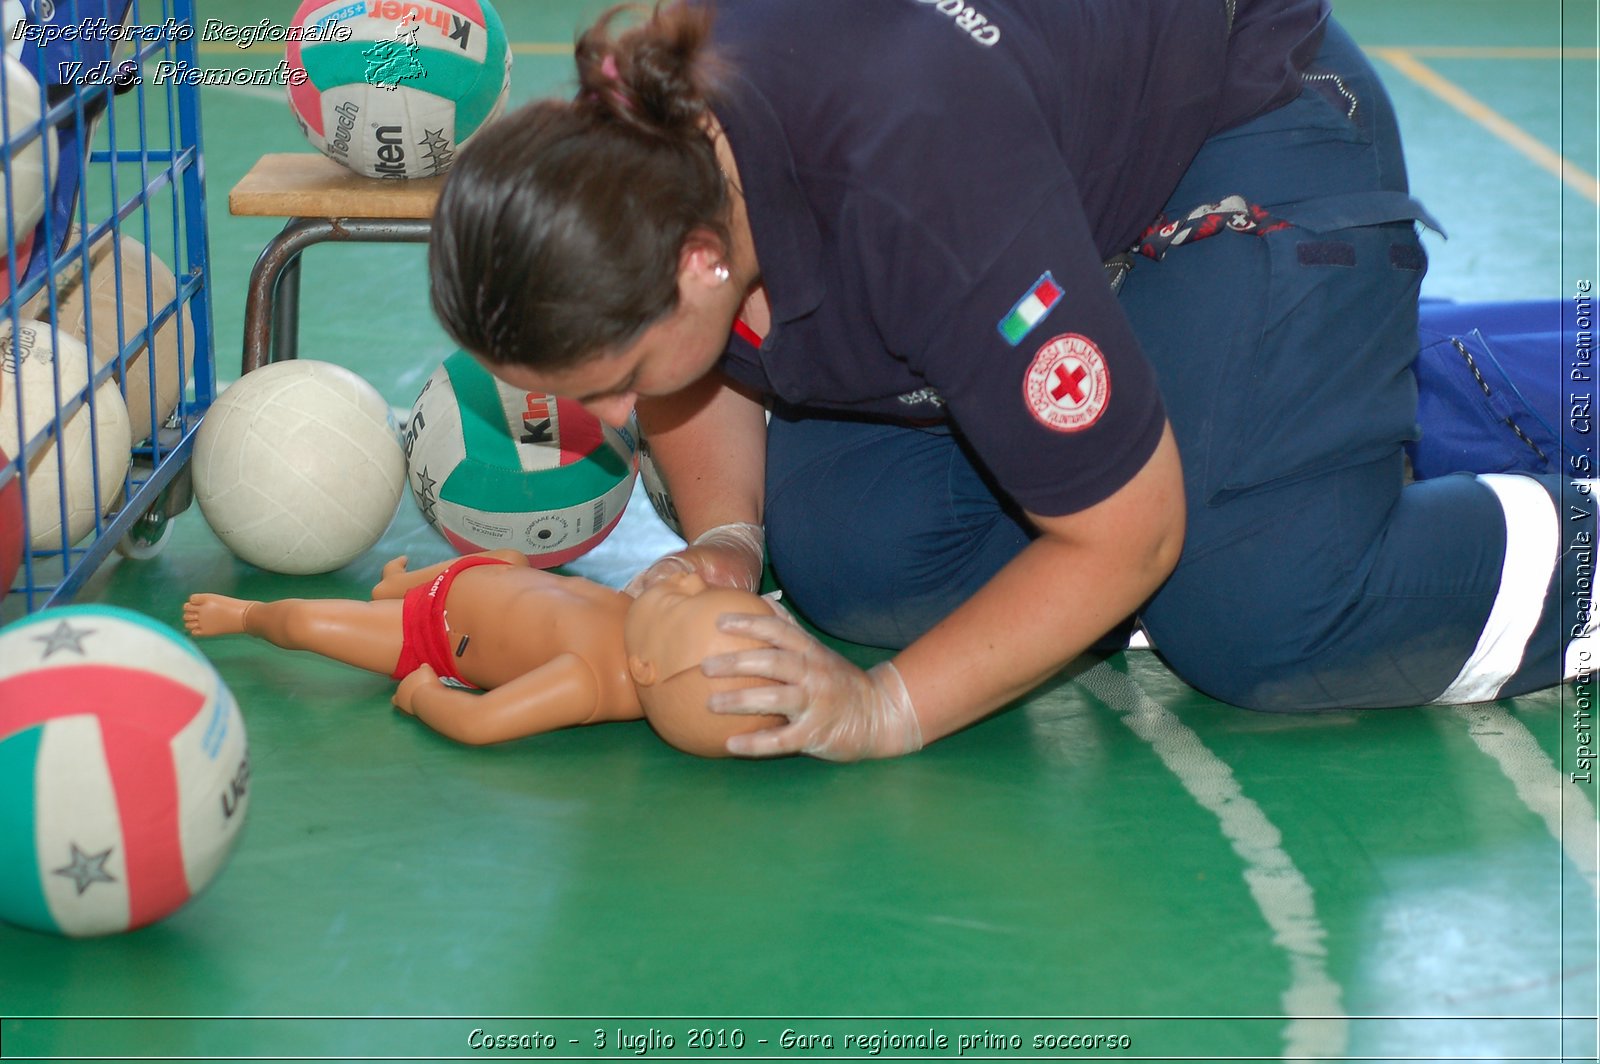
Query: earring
(720, 270)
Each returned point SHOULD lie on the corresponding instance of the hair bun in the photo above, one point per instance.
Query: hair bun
(655, 77)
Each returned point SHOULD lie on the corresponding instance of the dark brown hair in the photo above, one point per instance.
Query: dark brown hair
(558, 232)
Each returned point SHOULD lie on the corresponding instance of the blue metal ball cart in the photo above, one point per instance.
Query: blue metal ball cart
(122, 239)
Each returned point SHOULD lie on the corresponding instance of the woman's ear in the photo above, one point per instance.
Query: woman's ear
(704, 257)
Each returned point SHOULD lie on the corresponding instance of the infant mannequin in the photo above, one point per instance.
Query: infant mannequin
(669, 631)
(547, 650)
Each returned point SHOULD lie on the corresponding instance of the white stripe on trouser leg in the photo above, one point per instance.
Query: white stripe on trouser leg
(1533, 536)
(1580, 661)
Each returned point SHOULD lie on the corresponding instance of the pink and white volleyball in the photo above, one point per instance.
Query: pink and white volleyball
(124, 771)
(394, 88)
(493, 466)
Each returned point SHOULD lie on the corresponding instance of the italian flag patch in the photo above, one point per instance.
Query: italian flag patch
(1031, 309)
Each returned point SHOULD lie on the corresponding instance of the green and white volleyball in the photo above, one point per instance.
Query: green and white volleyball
(492, 466)
(394, 87)
(124, 771)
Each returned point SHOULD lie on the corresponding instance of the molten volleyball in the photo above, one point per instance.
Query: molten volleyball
(393, 88)
(123, 771)
(298, 467)
(493, 466)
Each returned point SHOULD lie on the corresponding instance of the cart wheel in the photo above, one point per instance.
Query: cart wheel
(148, 536)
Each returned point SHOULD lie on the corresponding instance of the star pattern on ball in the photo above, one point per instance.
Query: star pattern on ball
(437, 150)
(427, 500)
(87, 869)
(63, 637)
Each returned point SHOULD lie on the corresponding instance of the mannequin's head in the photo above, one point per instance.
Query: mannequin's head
(670, 629)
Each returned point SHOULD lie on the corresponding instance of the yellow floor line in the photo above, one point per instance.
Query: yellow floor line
(1580, 180)
(1437, 51)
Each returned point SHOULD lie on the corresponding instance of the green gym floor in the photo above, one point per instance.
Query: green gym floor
(1114, 855)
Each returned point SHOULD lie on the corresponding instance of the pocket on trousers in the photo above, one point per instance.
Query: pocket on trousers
(1325, 383)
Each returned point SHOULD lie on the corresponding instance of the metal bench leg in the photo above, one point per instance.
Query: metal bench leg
(260, 304)
(286, 313)
(279, 262)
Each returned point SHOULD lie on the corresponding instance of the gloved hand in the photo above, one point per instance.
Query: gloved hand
(836, 711)
(725, 556)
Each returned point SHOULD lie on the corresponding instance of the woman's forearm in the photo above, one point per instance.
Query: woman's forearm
(709, 443)
(1083, 575)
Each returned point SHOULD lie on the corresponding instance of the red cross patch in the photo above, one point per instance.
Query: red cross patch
(1068, 385)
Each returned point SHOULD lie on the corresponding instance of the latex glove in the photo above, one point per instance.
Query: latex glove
(726, 556)
(836, 711)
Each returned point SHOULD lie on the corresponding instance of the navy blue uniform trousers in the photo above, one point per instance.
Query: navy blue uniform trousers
(1313, 576)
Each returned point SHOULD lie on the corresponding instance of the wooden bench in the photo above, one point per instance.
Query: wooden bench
(323, 201)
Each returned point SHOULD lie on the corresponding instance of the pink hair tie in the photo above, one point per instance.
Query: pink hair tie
(618, 96)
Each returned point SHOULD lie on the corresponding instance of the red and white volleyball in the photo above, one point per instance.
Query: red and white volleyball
(124, 771)
(494, 466)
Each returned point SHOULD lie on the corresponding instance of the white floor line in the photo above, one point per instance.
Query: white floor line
(1566, 810)
(1318, 1025)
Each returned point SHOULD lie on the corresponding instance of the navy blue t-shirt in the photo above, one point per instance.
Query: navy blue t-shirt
(932, 187)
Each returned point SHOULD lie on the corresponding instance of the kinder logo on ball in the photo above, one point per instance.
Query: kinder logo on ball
(539, 419)
(453, 27)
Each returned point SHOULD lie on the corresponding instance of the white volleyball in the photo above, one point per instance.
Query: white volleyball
(81, 469)
(298, 466)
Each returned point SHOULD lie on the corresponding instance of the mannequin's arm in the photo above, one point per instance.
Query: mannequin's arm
(397, 579)
(558, 694)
